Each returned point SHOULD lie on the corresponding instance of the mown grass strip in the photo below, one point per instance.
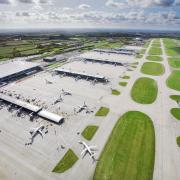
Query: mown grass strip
(89, 132)
(130, 150)
(103, 111)
(66, 162)
(144, 90)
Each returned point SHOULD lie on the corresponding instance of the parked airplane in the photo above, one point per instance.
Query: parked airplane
(48, 82)
(65, 93)
(88, 150)
(81, 108)
(60, 99)
(35, 131)
(19, 111)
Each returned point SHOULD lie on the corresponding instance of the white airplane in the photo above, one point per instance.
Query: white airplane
(81, 108)
(65, 93)
(48, 82)
(19, 111)
(88, 150)
(60, 99)
(9, 107)
(35, 131)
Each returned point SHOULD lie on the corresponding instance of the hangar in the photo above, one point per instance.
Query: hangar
(16, 69)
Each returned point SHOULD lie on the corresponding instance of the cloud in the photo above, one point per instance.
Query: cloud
(43, 1)
(141, 3)
(65, 9)
(26, 1)
(112, 3)
(22, 14)
(84, 6)
(4, 2)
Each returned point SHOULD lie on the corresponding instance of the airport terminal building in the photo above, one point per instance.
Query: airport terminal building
(16, 69)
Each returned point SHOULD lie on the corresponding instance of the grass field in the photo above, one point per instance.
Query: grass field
(154, 58)
(130, 150)
(123, 83)
(144, 90)
(173, 80)
(125, 77)
(174, 62)
(175, 97)
(139, 56)
(115, 92)
(66, 162)
(172, 49)
(176, 113)
(152, 68)
(103, 111)
(155, 51)
(178, 141)
(89, 132)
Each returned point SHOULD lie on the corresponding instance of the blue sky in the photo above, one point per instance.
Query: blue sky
(131, 14)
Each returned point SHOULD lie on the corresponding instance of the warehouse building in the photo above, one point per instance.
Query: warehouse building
(16, 69)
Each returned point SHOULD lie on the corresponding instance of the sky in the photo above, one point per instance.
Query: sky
(119, 14)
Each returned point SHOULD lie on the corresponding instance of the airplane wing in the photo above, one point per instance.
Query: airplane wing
(84, 154)
(40, 132)
(84, 151)
(93, 148)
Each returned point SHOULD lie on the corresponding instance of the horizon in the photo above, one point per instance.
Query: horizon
(117, 14)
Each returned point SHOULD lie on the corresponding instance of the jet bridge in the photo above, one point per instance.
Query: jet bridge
(32, 108)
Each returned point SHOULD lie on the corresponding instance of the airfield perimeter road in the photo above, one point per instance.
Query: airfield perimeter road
(167, 156)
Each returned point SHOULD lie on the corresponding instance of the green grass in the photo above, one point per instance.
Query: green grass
(130, 150)
(66, 162)
(175, 97)
(154, 58)
(174, 62)
(125, 77)
(142, 51)
(155, 51)
(89, 132)
(123, 83)
(55, 65)
(171, 47)
(156, 45)
(144, 90)
(115, 92)
(152, 68)
(103, 111)
(178, 141)
(176, 113)
(139, 56)
(173, 80)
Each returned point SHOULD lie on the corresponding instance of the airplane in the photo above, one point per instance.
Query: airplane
(88, 150)
(18, 113)
(35, 131)
(77, 78)
(65, 93)
(9, 107)
(48, 82)
(32, 116)
(81, 108)
(60, 99)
